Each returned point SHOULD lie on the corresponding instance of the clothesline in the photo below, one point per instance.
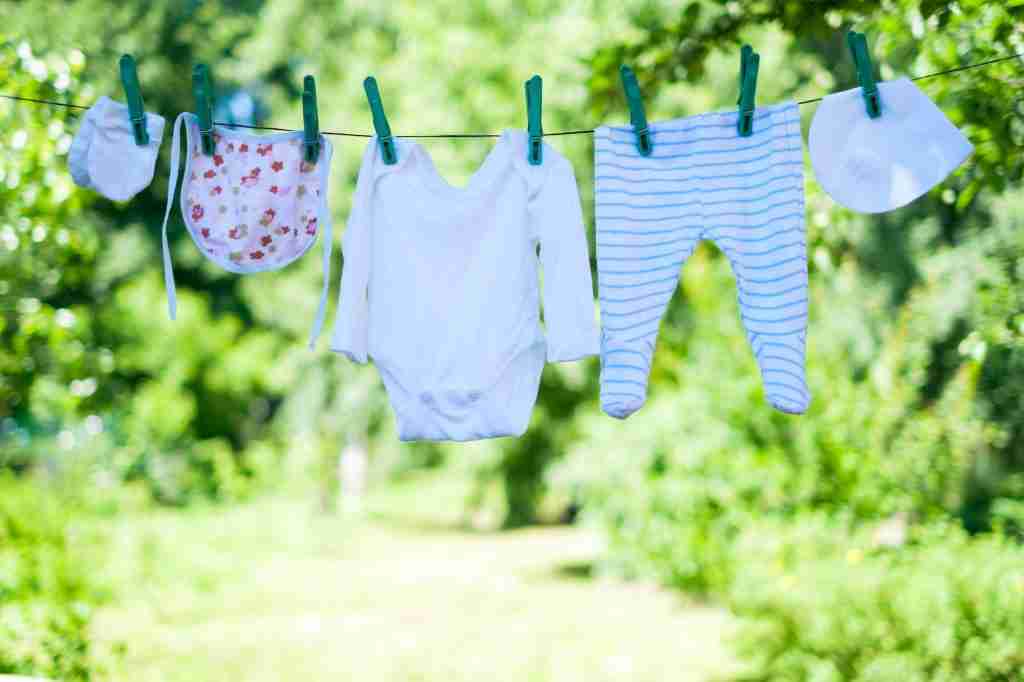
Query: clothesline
(582, 131)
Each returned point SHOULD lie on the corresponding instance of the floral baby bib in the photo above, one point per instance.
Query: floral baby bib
(253, 205)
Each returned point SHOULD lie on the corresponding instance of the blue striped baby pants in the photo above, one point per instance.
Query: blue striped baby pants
(702, 181)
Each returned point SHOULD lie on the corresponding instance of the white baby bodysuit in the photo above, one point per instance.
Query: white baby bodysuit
(440, 286)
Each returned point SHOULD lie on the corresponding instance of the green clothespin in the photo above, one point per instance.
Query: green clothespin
(534, 92)
(133, 95)
(203, 91)
(750, 61)
(637, 116)
(380, 121)
(310, 121)
(865, 73)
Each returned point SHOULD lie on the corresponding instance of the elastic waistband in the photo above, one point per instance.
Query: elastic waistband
(726, 118)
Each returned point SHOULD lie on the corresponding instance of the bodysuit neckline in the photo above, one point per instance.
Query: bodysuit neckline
(479, 182)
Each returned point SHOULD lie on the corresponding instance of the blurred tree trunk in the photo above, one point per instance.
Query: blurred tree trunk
(353, 469)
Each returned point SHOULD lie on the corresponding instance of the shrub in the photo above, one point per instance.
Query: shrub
(46, 589)
(945, 608)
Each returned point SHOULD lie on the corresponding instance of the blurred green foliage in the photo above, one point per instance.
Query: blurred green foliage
(47, 585)
(946, 608)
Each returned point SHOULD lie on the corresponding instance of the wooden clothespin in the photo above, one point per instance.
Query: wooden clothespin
(865, 73)
(637, 116)
(202, 89)
(133, 96)
(310, 121)
(750, 61)
(535, 148)
(380, 122)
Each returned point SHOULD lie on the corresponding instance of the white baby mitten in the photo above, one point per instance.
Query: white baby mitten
(104, 156)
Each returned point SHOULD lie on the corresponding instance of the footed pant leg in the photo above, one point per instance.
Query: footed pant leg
(762, 231)
(770, 264)
(637, 276)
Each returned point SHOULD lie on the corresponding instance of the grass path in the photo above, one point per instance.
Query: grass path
(273, 591)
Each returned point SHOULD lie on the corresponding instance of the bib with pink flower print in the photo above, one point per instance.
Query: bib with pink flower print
(253, 205)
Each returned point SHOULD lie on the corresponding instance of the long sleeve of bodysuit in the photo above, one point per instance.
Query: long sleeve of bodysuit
(350, 327)
(572, 331)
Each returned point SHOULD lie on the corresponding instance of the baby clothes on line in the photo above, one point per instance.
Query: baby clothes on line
(702, 181)
(440, 286)
(253, 205)
(873, 165)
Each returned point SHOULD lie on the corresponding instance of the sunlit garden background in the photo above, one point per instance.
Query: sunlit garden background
(181, 501)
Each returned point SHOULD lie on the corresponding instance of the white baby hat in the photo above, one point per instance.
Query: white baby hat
(104, 156)
(873, 165)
